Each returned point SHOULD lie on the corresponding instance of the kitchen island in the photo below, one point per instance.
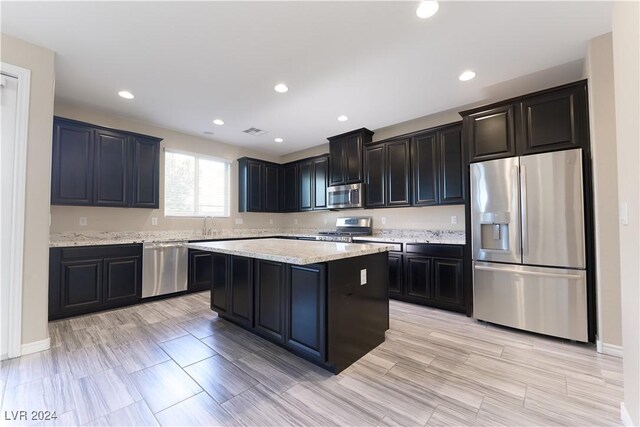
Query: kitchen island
(324, 301)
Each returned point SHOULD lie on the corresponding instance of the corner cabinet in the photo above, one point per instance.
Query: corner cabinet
(93, 278)
(437, 170)
(345, 154)
(96, 166)
(387, 170)
(549, 120)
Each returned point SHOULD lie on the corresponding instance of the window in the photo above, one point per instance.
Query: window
(195, 185)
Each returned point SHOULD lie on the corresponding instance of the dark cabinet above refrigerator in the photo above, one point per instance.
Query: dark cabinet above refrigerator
(549, 120)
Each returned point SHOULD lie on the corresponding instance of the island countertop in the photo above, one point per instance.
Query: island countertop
(298, 252)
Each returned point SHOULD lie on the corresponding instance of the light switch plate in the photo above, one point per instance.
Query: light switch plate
(454, 219)
(624, 215)
(154, 220)
(83, 220)
(383, 220)
(363, 276)
(239, 221)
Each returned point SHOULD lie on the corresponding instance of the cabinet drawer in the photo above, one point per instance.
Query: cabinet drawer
(431, 249)
(101, 251)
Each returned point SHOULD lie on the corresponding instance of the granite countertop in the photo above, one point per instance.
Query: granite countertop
(291, 251)
(93, 238)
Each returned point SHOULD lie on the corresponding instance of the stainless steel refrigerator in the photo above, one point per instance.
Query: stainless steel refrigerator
(528, 243)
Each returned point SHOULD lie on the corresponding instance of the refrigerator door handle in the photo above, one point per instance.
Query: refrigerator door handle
(523, 196)
(515, 175)
(529, 273)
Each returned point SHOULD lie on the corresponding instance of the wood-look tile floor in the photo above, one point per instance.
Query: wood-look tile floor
(174, 362)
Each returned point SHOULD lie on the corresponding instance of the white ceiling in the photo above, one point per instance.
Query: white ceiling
(190, 62)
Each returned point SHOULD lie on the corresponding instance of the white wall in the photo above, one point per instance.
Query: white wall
(602, 118)
(36, 225)
(626, 68)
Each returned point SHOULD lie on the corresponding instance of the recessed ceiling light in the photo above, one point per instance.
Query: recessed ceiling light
(218, 122)
(125, 94)
(467, 75)
(427, 9)
(343, 118)
(278, 140)
(281, 88)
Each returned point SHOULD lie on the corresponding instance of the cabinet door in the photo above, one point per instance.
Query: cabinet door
(554, 121)
(306, 185)
(338, 161)
(395, 274)
(398, 173)
(72, 164)
(200, 270)
(418, 277)
(451, 167)
(305, 310)
(271, 188)
(448, 284)
(219, 283)
(270, 299)
(255, 189)
(374, 176)
(122, 281)
(491, 133)
(80, 286)
(291, 190)
(111, 169)
(424, 169)
(353, 159)
(240, 286)
(320, 180)
(145, 173)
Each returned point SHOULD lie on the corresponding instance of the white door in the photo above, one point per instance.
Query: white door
(9, 101)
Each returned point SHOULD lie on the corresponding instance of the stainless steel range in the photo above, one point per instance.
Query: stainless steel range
(347, 228)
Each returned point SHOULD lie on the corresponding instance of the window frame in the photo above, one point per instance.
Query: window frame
(196, 156)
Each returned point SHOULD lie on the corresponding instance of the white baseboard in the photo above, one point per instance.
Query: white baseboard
(609, 349)
(36, 346)
(625, 417)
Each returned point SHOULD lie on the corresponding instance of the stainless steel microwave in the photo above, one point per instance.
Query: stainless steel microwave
(345, 196)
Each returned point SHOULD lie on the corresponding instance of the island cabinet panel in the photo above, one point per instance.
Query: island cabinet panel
(305, 310)
(96, 166)
(270, 299)
(200, 276)
(240, 289)
(219, 283)
(93, 278)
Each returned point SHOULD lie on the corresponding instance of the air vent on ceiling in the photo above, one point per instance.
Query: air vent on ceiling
(254, 131)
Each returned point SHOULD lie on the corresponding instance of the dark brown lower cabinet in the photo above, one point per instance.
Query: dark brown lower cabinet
(240, 308)
(219, 283)
(428, 274)
(305, 310)
(200, 276)
(270, 299)
(93, 278)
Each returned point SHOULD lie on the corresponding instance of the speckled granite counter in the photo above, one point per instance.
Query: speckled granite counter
(291, 251)
(123, 237)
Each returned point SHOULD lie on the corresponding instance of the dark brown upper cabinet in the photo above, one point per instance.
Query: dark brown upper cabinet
(549, 120)
(386, 171)
(437, 165)
(345, 154)
(313, 180)
(96, 166)
(291, 188)
(259, 186)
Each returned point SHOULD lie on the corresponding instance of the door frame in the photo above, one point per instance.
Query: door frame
(23, 75)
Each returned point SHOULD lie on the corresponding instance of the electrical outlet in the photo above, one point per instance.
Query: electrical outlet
(325, 220)
(363, 276)
(154, 220)
(454, 219)
(239, 221)
(83, 220)
(383, 220)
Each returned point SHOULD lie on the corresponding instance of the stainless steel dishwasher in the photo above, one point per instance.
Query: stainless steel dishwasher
(164, 268)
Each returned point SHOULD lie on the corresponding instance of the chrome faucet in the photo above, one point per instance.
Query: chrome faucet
(207, 231)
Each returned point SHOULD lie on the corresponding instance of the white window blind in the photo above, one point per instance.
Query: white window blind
(195, 185)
